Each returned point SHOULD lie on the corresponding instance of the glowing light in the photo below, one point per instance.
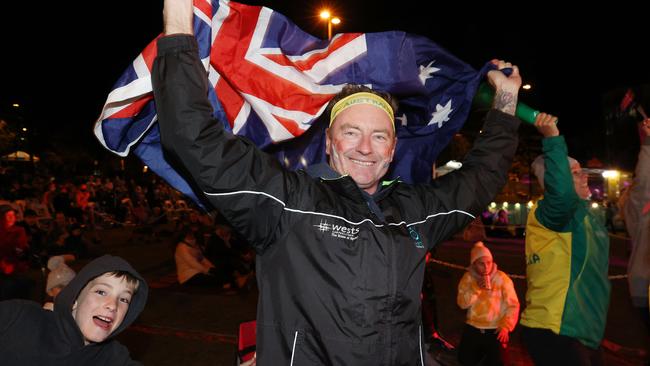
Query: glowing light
(505, 204)
(517, 205)
(145, 169)
(594, 205)
(493, 205)
(530, 204)
(611, 174)
(526, 86)
(327, 16)
(15, 105)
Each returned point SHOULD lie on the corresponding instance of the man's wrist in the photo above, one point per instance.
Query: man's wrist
(178, 17)
(505, 100)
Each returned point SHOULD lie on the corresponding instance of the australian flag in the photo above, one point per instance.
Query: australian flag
(271, 81)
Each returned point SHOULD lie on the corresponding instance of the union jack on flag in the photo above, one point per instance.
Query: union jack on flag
(271, 81)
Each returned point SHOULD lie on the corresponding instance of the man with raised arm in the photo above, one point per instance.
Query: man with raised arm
(340, 253)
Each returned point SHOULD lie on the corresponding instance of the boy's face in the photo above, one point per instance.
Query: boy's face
(101, 307)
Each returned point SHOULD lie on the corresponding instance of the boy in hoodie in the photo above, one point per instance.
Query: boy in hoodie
(105, 297)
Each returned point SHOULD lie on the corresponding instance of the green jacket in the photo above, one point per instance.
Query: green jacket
(567, 257)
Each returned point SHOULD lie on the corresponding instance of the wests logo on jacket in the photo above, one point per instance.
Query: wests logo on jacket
(338, 231)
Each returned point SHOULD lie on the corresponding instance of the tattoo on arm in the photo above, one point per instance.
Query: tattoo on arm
(505, 102)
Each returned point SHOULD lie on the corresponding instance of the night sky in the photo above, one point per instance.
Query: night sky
(573, 60)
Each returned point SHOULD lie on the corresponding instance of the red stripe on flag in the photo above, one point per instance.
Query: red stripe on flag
(230, 100)
(150, 52)
(307, 64)
(228, 57)
(204, 7)
(290, 125)
(134, 108)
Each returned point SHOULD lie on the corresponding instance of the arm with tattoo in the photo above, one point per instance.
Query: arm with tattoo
(506, 86)
(505, 101)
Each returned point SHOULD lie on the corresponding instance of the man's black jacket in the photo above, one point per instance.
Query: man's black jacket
(339, 273)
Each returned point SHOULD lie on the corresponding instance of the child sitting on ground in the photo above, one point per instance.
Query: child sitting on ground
(102, 300)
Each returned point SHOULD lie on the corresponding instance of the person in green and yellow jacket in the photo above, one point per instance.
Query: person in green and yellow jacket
(567, 259)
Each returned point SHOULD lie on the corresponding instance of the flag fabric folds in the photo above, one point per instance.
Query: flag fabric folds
(271, 82)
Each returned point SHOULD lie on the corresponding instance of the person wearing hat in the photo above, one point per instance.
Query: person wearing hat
(567, 261)
(492, 310)
(59, 277)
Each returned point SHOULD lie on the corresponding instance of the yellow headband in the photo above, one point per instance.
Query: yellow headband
(362, 98)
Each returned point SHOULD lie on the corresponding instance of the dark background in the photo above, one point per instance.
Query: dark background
(60, 60)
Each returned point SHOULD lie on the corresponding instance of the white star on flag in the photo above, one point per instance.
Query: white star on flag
(402, 119)
(427, 71)
(441, 115)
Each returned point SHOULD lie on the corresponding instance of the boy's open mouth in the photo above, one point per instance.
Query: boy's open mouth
(102, 322)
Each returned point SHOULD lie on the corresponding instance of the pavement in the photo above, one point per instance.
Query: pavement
(198, 327)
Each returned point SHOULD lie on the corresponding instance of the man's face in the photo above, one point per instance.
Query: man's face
(361, 143)
(580, 180)
(483, 265)
(101, 307)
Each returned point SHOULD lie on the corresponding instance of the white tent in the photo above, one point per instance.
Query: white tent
(19, 156)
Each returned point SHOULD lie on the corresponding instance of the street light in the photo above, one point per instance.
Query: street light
(330, 19)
